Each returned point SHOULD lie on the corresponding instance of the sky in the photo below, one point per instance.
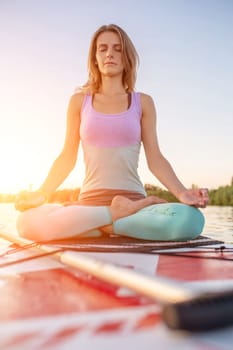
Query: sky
(186, 55)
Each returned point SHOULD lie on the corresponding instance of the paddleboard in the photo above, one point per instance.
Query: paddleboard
(46, 304)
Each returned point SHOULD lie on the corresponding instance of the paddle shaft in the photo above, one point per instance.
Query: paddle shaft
(161, 289)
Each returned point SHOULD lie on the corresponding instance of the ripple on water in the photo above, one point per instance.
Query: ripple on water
(219, 222)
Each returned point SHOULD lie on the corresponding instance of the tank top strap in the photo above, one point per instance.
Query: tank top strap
(136, 101)
(87, 101)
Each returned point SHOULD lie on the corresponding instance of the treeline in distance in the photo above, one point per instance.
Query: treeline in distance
(222, 196)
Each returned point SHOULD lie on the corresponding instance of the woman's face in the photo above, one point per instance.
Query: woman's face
(109, 54)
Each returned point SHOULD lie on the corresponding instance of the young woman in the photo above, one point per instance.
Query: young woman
(111, 121)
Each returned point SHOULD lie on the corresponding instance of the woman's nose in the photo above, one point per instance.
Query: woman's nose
(109, 53)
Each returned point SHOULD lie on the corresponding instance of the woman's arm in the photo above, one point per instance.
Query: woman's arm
(64, 163)
(158, 164)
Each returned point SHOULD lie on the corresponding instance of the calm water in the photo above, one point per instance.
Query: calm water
(219, 221)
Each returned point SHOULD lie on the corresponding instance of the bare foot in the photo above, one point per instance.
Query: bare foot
(108, 229)
(122, 206)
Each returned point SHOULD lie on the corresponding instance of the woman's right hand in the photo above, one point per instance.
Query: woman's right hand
(26, 200)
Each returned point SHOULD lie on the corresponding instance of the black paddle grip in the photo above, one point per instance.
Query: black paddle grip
(207, 312)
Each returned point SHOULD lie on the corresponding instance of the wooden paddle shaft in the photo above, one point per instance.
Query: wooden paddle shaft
(162, 289)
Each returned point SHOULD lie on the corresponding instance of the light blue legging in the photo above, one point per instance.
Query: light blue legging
(165, 221)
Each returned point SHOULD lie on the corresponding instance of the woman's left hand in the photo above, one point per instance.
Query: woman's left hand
(197, 197)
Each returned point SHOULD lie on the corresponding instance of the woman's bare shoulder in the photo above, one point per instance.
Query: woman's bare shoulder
(146, 101)
(76, 101)
(77, 98)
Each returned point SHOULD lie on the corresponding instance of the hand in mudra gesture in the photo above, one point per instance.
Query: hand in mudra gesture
(197, 197)
(29, 199)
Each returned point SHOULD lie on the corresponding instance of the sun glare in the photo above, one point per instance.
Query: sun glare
(14, 174)
(16, 153)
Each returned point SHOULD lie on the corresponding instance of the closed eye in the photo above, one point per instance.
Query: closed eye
(118, 48)
(102, 48)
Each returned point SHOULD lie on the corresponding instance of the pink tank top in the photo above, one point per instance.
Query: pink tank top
(111, 146)
(113, 130)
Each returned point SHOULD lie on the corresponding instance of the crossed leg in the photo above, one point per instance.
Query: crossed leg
(53, 221)
(164, 222)
(143, 219)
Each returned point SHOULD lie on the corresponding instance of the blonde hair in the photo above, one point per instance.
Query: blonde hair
(129, 56)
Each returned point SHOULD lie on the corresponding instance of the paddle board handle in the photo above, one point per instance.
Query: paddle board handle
(207, 312)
